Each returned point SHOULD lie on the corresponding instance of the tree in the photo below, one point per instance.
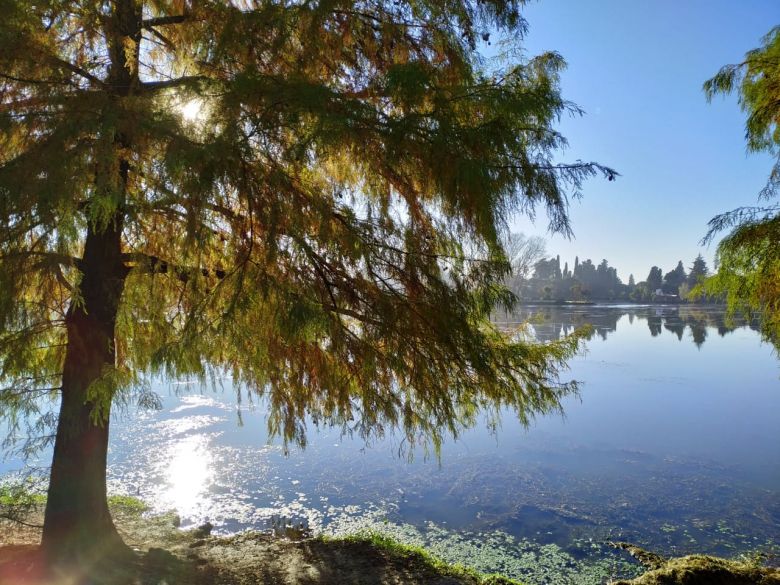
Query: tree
(748, 258)
(654, 279)
(323, 225)
(698, 271)
(548, 269)
(641, 293)
(523, 253)
(674, 279)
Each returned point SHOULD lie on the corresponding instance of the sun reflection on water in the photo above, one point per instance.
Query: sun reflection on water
(189, 472)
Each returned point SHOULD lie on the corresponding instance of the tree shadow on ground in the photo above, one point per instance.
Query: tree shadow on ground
(23, 565)
(253, 559)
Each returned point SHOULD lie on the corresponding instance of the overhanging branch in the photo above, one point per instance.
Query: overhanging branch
(152, 86)
(76, 69)
(164, 20)
(156, 265)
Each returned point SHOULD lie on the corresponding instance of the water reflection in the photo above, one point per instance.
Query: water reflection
(188, 470)
(684, 322)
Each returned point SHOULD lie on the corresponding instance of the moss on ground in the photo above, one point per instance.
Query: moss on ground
(706, 570)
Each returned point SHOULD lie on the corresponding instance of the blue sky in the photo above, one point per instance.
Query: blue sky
(637, 68)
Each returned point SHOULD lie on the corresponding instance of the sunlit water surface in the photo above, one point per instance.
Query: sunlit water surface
(673, 444)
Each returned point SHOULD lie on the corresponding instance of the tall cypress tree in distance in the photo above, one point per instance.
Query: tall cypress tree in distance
(307, 196)
(698, 271)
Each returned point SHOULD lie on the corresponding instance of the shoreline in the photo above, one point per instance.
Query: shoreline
(194, 557)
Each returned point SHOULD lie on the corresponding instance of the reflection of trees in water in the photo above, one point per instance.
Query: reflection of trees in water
(655, 323)
(554, 322)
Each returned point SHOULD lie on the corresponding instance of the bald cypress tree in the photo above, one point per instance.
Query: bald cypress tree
(748, 257)
(308, 197)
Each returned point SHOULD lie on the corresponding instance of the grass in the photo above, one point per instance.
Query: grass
(127, 504)
(20, 495)
(18, 502)
(15, 496)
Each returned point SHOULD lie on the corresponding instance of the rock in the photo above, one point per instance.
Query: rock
(705, 570)
(203, 530)
(647, 558)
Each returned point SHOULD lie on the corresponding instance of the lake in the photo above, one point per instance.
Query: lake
(672, 444)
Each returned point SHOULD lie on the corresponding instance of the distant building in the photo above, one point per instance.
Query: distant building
(659, 296)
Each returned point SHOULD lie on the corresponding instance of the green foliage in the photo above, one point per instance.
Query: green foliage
(127, 504)
(326, 230)
(674, 279)
(20, 495)
(749, 274)
(20, 498)
(748, 257)
(757, 83)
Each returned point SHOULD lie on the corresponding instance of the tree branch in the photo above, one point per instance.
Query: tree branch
(164, 20)
(156, 265)
(151, 86)
(58, 259)
(76, 69)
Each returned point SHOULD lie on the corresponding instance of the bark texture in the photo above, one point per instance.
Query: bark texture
(77, 519)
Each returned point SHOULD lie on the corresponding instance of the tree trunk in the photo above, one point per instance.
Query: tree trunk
(77, 524)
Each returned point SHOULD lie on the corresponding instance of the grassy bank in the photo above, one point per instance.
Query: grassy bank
(162, 553)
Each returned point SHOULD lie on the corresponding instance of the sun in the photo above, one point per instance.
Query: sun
(192, 110)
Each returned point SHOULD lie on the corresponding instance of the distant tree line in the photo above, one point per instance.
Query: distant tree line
(544, 279)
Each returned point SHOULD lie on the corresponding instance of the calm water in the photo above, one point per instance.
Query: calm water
(672, 444)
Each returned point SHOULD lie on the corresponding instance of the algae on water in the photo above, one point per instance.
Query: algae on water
(499, 552)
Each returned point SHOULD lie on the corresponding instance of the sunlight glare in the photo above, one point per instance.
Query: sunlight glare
(191, 110)
(189, 474)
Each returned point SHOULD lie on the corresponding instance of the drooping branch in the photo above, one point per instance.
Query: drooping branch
(740, 216)
(156, 265)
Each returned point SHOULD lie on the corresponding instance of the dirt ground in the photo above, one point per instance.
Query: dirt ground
(165, 555)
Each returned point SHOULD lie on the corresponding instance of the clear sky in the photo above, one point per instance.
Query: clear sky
(637, 68)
